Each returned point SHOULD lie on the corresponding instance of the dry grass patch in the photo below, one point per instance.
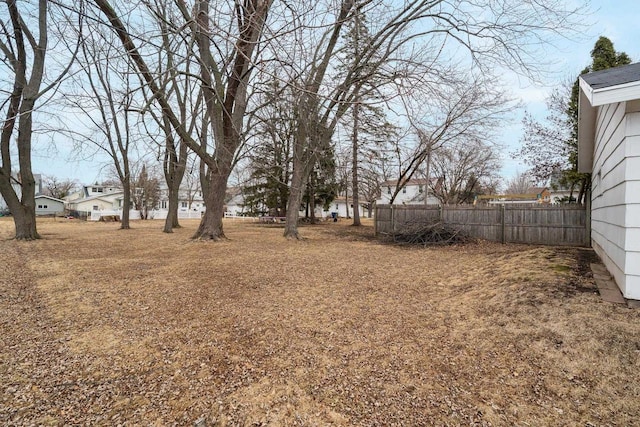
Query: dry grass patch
(103, 326)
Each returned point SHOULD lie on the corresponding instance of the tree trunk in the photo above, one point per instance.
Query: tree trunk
(171, 221)
(293, 204)
(427, 175)
(211, 224)
(175, 163)
(25, 221)
(312, 202)
(354, 171)
(126, 205)
(174, 180)
(23, 211)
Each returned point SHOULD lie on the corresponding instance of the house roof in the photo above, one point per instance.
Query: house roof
(613, 76)
(536, 190)
(108, 198)
(600, 88)
(42, 196)
(412, 181)
(612, 85)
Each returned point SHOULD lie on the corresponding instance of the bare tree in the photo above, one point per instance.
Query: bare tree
(57, 188)
(146, 191)
(519, 183)
(24, 58)
(224, 80)
(407, 42)
(464, 171)
(106, 96)
(460, 110)
(174, 70)
(407, 39)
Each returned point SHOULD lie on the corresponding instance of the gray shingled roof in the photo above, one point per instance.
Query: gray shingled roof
(613, 76)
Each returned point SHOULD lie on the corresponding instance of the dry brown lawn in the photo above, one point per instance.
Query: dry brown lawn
(106, 327)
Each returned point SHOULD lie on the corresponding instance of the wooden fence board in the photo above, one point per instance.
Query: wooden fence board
(546, 225)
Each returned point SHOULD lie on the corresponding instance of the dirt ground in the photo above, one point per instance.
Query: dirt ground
(100, 326)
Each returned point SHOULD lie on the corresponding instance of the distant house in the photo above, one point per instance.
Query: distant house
(343, 206)
(234, 202)
(533, 196)
(47, 205)
(190, 200)
(542, 194)
(609, 148)
(561, 192)
(94, 190)
(412, 193)
(110, 202)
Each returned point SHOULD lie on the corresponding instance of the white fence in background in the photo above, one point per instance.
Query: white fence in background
(233, 215)
(135, 214)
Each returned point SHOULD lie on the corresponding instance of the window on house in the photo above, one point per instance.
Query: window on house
(183, 204)
(39, 206)
(94, 190)
(336, 206)
(164, 204)
(100, 190)
(388, 190)
(404, 190)
(45, 206)
(420, 189)
(95, 207)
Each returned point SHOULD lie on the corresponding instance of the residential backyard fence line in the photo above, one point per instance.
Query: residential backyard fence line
(545, 225)
(135, 214)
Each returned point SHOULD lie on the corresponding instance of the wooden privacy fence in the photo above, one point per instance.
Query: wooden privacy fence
(544, 225)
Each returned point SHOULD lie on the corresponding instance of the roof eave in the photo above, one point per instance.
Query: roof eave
(611, 94)
(586, 128)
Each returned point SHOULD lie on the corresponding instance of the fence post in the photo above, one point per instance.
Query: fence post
(393, 220)
(502, 212)
(375, 220)
(441, 213)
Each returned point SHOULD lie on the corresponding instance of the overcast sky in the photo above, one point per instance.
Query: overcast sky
(619, 23)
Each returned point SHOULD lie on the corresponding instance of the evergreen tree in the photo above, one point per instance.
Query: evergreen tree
(367, 121)
(553, 146)
(270, 165)
(603, 56)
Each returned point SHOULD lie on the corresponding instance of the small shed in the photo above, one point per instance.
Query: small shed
(47, 205)
(609, 149)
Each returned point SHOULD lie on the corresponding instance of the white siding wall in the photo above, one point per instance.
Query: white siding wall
(53, 207)
(410, 194)
(632, 213)
(615, 226)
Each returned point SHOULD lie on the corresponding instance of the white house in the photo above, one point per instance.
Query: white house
(609, 148)
(109, 202)
(411, 194)
(189, 199)
(234, 202)
(47, 205)
(94, 190)
(340, 205)
(561, 192)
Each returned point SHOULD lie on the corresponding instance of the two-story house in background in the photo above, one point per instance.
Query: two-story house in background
(412, 193)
